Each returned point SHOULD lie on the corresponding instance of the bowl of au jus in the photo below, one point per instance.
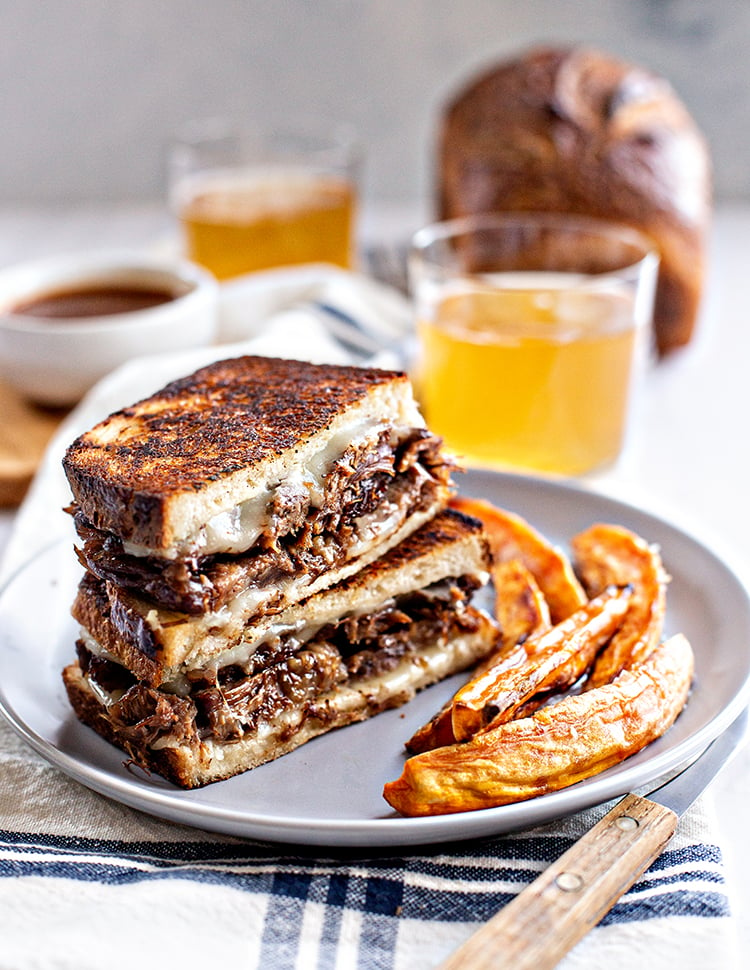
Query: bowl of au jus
(67, 321)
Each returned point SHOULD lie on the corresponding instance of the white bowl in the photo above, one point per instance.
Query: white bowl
(54, 361)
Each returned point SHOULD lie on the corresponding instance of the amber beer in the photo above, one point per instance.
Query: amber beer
(531, 331)
(530, 378)
(239, 222)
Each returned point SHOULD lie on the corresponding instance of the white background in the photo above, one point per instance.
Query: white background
(92, 89)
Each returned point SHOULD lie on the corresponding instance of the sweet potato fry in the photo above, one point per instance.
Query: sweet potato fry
(559, 745)
(520, 608)
(436, 733)
(511, 537)
(606, 554)
(556, 659)
(439, 730)
(549, 660)
(521, 611)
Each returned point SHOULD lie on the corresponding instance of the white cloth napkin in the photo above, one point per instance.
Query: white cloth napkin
(86, 882)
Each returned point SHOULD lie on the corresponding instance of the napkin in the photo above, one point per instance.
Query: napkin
(86, 882)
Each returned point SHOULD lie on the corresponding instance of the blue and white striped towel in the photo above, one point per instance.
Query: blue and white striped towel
(88, 883)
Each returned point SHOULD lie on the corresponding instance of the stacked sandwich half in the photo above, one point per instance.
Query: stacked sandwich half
(268, 555)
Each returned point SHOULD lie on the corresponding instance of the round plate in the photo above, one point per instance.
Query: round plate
(329, 791)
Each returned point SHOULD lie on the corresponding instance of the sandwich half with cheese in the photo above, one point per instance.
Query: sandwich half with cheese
(364, 645)
(248, 485)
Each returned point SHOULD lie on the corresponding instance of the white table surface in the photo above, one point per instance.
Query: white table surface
(689, 451)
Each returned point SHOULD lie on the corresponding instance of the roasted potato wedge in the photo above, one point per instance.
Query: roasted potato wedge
(610, 554)
(521, 612)
(549, 660)
(556, 747)
(521, 608)
(436, 733)
(556, 659)
(439, 730)
(511, 537)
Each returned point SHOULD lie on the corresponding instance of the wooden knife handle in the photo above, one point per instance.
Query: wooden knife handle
(538, 927)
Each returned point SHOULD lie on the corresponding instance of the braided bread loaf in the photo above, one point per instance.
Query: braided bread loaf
(579, 131)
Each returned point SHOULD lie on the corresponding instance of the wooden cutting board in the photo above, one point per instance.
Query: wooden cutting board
(24, 432)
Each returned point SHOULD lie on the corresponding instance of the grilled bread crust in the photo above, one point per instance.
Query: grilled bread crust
(155, 472)
(193, 767)
(156, 645)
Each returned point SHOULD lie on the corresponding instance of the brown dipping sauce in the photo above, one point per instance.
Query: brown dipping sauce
(92, 301)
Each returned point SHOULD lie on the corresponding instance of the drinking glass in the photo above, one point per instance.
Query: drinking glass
(531, 331)
(251, 200)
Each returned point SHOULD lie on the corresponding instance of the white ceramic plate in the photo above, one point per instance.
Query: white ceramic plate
(329, 791)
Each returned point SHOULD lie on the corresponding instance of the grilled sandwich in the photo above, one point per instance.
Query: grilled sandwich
(368, 643)
(251, 484)
(268, 555)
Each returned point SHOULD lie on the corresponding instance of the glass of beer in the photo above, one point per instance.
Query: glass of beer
(250, 200)
(532, 328)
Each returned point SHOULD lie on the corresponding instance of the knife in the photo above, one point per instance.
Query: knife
(542, 923)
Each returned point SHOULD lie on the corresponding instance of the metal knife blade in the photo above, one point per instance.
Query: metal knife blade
(538, 927)
(680, 792)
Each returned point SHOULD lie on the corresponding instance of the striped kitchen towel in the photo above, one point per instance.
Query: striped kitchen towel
(87, 883)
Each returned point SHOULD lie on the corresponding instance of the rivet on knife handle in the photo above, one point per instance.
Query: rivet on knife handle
(537, 928)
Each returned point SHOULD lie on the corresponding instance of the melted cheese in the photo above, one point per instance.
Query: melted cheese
(237, 529)
(299, 632)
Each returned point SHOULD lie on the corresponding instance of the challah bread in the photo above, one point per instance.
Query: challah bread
(579, 131)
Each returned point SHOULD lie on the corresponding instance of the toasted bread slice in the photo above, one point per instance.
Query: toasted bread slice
(160, 647)
(158, 473)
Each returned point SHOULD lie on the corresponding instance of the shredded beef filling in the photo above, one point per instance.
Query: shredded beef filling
(228, 704)
(230, 711)
(400, 476)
